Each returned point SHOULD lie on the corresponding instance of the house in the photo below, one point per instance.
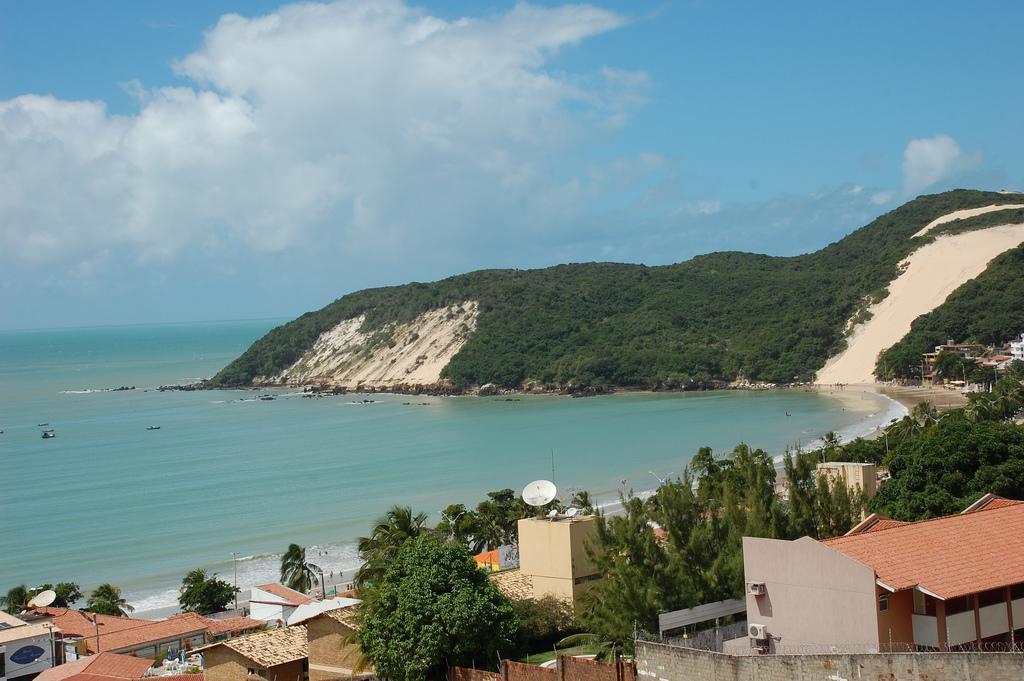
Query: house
(934, 584)
(859, 478)
(105, 665)
(274, 603)
(1017, 349)
(26, 649)
(928, 359)
(83, 633)
(553, 559)
(275, 655)
(332, 652)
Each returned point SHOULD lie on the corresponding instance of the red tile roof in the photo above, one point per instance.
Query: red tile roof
(178, 627)
(234, 625)
(79, 623)
(103, 665)
(290, 596)
(950, 557)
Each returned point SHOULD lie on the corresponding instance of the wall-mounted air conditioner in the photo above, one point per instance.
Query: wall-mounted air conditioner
(756, 588)
(758, 632)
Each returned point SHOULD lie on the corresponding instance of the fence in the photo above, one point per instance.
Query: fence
(566, 669)
(706, 639)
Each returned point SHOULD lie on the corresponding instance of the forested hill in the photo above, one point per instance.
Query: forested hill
(713, 317)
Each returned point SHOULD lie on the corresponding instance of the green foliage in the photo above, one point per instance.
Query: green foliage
(543, 622)
(389, 534)
(16, 600)
(947, 465)
(985, 310)
(678, 326)
(295, 571)
(106, 599)
(205, 594)
(432, 609)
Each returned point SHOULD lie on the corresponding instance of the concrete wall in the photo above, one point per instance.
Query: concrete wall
(330, 655)
(659, 662)
(897, 624)
(853, 475)
(224, 664)
(565, 669)
(814, 595)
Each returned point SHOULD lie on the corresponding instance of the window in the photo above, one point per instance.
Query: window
(883, 603)
(991, 597)
(1017, 591)
(961, 604)
(920, 606)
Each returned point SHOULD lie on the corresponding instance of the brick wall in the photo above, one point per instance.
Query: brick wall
(660, 662)
(567, 669)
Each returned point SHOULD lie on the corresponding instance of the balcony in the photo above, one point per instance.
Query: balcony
(960, 627)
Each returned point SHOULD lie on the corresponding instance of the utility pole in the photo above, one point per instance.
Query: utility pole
(234, 561)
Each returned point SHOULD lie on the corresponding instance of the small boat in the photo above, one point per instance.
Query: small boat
(47, 434)
(152, 427)
(42, 425)
(267, 398)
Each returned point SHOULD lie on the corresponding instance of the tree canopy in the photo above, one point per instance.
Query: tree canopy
(106, 599)
(434, 608)
(204, 594)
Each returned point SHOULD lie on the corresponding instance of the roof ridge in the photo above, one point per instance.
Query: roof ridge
(919, 523)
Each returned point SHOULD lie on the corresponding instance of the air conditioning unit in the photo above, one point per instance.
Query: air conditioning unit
(756, 589)
(758, 632)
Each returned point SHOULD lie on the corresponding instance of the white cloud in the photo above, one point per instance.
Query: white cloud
(927, 161)
(883, 197)
(365, 124)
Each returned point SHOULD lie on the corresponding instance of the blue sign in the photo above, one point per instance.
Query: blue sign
(26, 655)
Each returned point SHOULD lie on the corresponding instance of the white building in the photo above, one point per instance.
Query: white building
(275, 603)
(1017, 349)
(25, 649)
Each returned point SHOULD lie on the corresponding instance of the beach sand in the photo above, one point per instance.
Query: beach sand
(933, 272)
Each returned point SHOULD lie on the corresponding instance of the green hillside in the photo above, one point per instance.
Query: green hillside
(603, 324)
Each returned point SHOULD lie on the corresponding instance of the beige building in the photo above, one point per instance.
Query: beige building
(553, 556)
(856, 476)
(275, 655)
(937, 584)
(332, 653)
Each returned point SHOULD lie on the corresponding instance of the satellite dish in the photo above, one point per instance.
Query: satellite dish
(553, 513)
(42, 599)
(539, 492)
(571, 512)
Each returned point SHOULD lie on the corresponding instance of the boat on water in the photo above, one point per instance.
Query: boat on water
(267, 398)
(152, 427)
(42, 425)
(47, 434)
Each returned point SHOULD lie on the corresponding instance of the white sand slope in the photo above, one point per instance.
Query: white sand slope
(963, 214)
(933, 272)
(410, 354)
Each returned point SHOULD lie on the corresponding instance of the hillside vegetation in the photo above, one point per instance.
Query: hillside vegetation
(711, 318)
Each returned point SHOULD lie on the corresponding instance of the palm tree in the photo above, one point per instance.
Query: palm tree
(15, 600)
(389, 533)
(106, 599)
(295, 571)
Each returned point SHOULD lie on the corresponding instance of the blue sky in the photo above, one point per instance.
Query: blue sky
(170, 162)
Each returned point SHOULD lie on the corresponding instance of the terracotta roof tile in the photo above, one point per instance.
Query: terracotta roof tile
(103, 665)
(346, 616)
(234, 625)
(182, 626)
(951, 556)
(513, 583)
(272, 647)
(291, 596)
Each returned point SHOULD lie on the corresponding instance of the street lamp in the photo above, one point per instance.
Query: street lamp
(234, 561)
(661, 480)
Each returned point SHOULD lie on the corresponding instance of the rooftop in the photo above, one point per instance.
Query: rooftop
(17, 633)
(272, 647)
(513, 583)
(103, 665)
(949, 557)
(286, 595)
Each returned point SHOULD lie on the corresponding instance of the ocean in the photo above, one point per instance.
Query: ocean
(229, 480)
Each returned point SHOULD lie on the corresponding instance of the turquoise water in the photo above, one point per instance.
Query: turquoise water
(108, 500)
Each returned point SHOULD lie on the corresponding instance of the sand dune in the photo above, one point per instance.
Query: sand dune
(934, 271)
(411, 354)
(963, 214)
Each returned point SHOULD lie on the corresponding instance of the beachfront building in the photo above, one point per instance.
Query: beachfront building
(275, 603)
(859, 478)
(274, 654)
(956, 581)
(928, 359)
(26, 649)
(85, 633)
(553, 559)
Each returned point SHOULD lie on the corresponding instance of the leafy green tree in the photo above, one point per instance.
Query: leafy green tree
(544, 622)
(952, 464)
(458, 523)
(433, 608)
(389, 533)
(16, 599)
(106, 599)
(582, 500)
(497, 518)
(295, 571)
(204, 594)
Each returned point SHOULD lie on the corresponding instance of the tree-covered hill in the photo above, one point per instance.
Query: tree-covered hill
(604, 324)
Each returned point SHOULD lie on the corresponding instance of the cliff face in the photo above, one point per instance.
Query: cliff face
(412, 353)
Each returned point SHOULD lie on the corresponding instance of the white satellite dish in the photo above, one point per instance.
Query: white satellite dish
(571, 512)
(42, 599)
(553, 513)
(539, 492)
